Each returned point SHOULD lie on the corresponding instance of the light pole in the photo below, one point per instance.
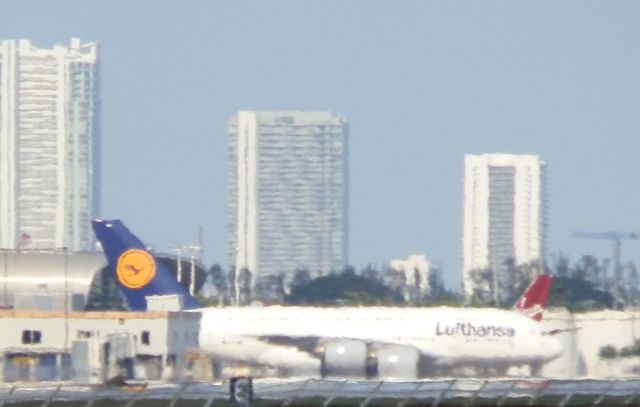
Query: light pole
(66, 297)
(192, 278)
(5, 253)
(192, 250)
(236, 278)
(178, 252)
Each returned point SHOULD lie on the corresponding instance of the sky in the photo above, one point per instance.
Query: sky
(421, 83)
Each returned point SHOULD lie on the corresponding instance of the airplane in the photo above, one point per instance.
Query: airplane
(344, 341)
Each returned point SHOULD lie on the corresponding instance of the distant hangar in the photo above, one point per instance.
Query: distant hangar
(62, 320)
(47, 280)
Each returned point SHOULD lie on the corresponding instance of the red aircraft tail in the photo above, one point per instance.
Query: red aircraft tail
(534, 299)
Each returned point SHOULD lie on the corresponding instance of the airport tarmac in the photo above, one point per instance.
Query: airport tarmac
(444, 392)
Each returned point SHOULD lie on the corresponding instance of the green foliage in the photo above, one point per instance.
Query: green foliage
(346, 288)
(443, 299)
(517, 280)
(608, 352)
(577, 294)
(218, 279)
(483, 287)
(631, 351)
(301, 277)
(212, 301)
(510, 280)
(601, 276)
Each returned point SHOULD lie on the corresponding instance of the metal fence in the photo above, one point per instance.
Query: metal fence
(325, 393)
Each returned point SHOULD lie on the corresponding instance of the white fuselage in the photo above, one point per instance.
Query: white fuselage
(450, 336)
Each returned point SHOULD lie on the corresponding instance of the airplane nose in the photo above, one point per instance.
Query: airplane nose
(553, 347)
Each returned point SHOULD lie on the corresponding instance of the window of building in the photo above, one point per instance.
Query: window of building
(30, 336)
(84, 334)
(285, 119)
(146, 338)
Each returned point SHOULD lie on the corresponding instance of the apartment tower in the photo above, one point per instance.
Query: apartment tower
(287, 192)
(504, 217)
(49, 145)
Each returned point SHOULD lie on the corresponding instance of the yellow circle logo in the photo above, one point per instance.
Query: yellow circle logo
(135, 268)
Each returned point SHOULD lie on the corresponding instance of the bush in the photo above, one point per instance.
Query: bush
(631, 351)
(608, 352)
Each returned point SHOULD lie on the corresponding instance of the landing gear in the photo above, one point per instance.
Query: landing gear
(426, 366)
(536, 369)
(501, 371)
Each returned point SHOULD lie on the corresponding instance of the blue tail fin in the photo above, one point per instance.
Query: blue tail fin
(136, 271)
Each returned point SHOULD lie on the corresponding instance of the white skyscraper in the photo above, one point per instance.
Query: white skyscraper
(48, 145)
(287, 191)
(504, 214)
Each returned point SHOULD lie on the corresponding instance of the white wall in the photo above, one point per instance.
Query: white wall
(170, 333)
(588, 332)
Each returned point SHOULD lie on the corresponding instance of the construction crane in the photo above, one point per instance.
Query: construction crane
(616, 239)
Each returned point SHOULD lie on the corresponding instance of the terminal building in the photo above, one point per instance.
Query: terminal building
(94, 346)
(55, 280)
(64, 318)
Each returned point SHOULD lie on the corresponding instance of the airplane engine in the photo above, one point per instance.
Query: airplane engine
(344, 358)
(397, 362)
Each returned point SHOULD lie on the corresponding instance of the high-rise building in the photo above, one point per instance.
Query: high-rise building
(287, 192)
(421, 277)
(49, 145)
(504, 218)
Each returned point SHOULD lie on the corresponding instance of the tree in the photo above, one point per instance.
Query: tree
(301, 276)
(482, 282)
(560, 264)
(231, 283)
(444, 298)
(590, 269)
(349, 270)
(218, 280)
(416, 294)
(518, 279)
(372, 274)
(346, 288)
(577, 294)
(270, 289)
(608, 352)
(245, 281)
(437, 286)
(393, 279)
(632, 287)
(586, 285)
